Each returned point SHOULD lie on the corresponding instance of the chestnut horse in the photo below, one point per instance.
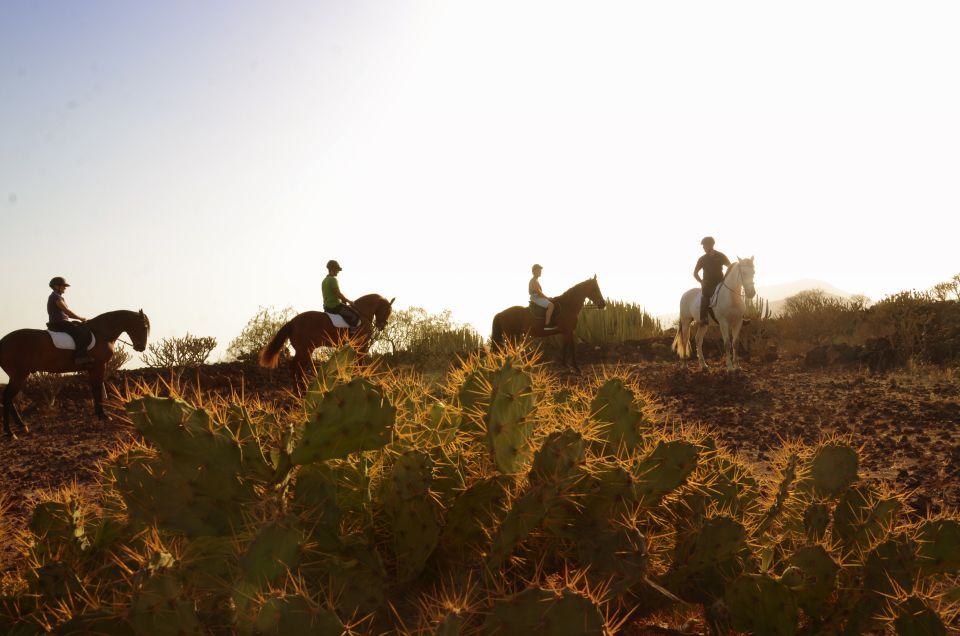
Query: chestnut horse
(518, 322)
(313, 329)
(27, 350)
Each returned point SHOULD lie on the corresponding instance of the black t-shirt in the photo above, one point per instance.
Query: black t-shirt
(712, 266)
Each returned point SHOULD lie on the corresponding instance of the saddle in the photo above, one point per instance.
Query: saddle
(540, 313)
(63, 340)
(338, 321)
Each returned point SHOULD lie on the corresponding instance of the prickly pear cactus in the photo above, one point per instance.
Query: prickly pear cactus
(761, 604)
(817, 581)
(706, 559)
(475, 510)
(293, 615)
(546, 613)
(509, 422)
(914, 618)
(350, 418)
(558, 458)
(525, 515)
(414, 514)
(863, 517)
(833, 469)
(622, 424)
(938, 548)
(665, 469)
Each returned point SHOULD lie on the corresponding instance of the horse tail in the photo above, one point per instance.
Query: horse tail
(681, 341)
(270, 355)
(496, 337)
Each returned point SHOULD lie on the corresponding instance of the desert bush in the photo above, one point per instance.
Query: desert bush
(46, 386)
(947, 290)
(188, 351)
(920, 327)
(505, 505)
(119, 358)
(426, 337)
(258, 332)
(618, 322)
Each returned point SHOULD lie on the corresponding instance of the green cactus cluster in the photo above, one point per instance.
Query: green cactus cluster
(487, 506)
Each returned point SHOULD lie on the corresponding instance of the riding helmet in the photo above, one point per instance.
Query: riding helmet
(334, 265)
(535, 267)
(58, 280)
(707, 240)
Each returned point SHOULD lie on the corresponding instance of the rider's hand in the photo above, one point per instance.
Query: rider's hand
(82, 319)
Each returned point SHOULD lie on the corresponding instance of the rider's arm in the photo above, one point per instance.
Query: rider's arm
(535, 288)
(696, 272)
(345, 300)
(63, 307)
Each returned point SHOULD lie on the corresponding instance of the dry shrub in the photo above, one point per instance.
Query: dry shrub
(258, 332)
(188, 351)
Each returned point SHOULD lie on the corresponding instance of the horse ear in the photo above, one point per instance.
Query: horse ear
(739, 259)
(594, 277)
(751, 259)
(141, 312)
(391, 300)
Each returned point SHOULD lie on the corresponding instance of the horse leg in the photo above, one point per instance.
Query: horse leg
(568, 341)
(734, 339)
(9, 409)
(701, 331)
(96, 387)
(725, 332)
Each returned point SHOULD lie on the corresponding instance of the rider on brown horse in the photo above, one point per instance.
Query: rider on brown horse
(59, 316)
(334, 302)
(537, 296)
(712, 264)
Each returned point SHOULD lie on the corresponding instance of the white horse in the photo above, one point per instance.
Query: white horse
(728, 310)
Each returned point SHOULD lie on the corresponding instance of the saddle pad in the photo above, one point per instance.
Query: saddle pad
(62, 340)
(338, 321)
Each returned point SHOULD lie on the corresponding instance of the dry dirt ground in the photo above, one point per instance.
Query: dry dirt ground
(908, 422)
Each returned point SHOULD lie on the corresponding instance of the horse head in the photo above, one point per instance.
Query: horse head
(139, 330)
(745, 265)
(381, 312)
(594, 293)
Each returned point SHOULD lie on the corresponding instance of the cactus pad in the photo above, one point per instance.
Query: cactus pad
(833, 468)
(762, 605)
(352, 417)
(545, 613)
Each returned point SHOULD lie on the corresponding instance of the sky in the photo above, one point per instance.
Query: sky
(201, 160)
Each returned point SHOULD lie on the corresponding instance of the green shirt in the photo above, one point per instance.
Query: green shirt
(331, 293)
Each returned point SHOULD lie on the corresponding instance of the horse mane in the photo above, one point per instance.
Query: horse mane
(575, 288)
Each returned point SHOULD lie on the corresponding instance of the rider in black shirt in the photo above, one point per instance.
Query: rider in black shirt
(712, 263)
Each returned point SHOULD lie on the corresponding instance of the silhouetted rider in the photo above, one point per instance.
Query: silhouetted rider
(58, 319)
(335, 302)
(712, 264)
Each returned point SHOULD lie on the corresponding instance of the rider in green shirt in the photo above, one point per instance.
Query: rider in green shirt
(334, 302)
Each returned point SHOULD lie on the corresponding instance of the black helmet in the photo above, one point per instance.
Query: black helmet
(334, 265)
(56, 281)
(707, 240)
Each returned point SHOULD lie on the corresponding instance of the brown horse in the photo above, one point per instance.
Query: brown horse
(518, 322)
(27, 350)
(313, 329)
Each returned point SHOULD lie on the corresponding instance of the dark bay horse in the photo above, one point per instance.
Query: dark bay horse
(27, 350)
(517, 322)
(313, 329)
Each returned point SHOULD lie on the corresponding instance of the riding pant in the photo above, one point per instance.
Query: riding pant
(707, 290)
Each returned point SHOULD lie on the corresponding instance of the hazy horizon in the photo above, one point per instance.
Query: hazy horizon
(200, 162)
